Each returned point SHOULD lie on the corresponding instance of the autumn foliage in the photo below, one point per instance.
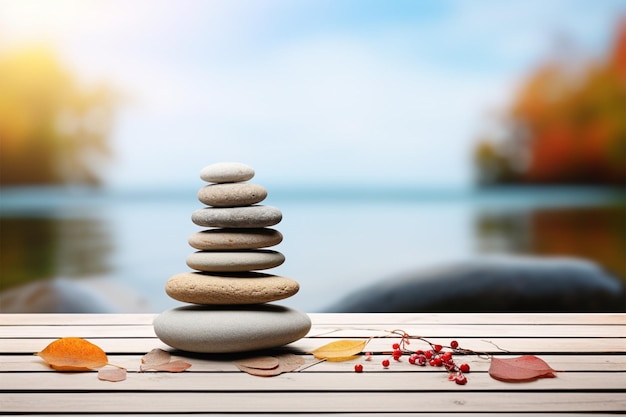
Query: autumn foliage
(73, 354)
(76, 354)
(566, 125)
(53, 128)
(520, 369)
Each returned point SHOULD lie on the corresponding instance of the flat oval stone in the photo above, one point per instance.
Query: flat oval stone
(243, 260)
(232, 239)
(235, 288)
(227, 172)
(230, 329)
(232, 194)
(249, 216)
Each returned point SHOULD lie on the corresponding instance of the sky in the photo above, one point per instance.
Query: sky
(306, 92)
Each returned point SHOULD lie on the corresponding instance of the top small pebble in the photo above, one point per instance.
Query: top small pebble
(223, 172)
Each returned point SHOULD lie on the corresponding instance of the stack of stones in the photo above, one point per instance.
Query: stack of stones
(229, 303)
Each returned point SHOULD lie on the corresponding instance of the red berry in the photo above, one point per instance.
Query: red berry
(447, 356)
(465, 368)
(454, 344)
(438, 361)
(428, 354)
(437, 348)
(358, 368)
(412, 360)
(460, 379)
(397, 354)
(395, 346)
(449, 366)
(385, 363)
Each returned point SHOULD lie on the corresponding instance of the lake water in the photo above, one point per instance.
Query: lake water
(130, 242)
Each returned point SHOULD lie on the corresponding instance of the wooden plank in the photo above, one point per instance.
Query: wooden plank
(492, 345)
(340, 319)
(311, 402)
(412, 414)
(376, 380)
(426, 330)
(608, 363)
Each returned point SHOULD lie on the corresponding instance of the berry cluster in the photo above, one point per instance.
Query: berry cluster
(436, 356)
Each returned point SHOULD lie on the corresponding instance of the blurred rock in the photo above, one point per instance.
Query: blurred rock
(62, 295)
(495, 284)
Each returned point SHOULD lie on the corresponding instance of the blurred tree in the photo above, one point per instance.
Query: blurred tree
(563, 126)
(52, 129)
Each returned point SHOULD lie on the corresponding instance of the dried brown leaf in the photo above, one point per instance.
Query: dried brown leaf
(155, 357)
(289, 362)
(112, 374)
(260, 372)
(161, 360)
(178, 365)
(259, 362)
(285, 362)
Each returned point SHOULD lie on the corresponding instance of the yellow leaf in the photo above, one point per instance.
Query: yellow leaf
(341, 358)
(73, 354)
(339, 350)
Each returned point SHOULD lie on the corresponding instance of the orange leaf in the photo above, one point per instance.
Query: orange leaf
(112, 374)
(521, 369)
(339, 350)
(73, 354)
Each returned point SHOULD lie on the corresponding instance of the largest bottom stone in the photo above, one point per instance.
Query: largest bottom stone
(225, 329)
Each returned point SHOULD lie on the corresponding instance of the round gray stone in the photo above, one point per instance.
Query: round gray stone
(230, 261)
(227, 172)
(248, 217)
(232, 239)
(235, 288)
(232, 194)
(230, 329)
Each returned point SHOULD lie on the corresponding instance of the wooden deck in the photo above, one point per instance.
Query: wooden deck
(589, 348)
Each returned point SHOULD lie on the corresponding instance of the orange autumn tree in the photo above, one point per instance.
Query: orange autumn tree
(53, 130)
(563, 127)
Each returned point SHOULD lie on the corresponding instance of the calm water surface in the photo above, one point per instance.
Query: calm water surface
(125, 244)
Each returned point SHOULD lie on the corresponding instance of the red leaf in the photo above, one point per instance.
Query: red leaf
(521, 369)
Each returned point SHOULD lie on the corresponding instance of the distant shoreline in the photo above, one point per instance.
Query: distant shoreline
(18, 200)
